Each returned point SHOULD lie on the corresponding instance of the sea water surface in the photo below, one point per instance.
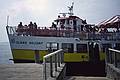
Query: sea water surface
(5, 53)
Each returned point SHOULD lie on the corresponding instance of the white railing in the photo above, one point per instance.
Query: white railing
(51, 63)
(11, 30)
(113, 63)
(113, 57)
(62, 33)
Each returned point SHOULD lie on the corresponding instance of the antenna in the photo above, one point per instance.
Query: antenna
(71, 9)
(7, 19)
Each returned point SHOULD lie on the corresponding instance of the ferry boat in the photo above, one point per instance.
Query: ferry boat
(83, 42)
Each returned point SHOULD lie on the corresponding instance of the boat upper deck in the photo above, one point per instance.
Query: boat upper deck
(61, 32)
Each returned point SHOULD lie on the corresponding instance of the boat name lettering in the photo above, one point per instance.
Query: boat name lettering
(25, 42)
(35, 42)
(21, 42)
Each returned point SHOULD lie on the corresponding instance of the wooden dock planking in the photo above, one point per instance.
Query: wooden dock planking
(85, 78)
(21, 71)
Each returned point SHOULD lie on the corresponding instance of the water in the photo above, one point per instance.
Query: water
(5, 53)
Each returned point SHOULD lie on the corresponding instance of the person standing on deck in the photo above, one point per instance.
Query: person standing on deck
(20, 28)
(30, 28)
(35, 28)
(35, 25)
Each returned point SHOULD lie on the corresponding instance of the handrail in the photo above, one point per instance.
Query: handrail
(58, 60)
(112, 57)
(62, 33)
(113, 63)
(114, 50)
(51, 54)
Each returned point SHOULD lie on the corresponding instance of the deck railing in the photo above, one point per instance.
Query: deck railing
(113, 63)
(63, 33)
(52, 63)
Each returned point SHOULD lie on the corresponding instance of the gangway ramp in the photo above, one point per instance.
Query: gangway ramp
(85, 78)
(48, 70)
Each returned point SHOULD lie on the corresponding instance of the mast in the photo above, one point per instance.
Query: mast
(7, 25)
(7, 19)
(70, 8)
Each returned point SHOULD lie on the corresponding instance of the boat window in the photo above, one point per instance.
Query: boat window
(52, 45)
(62, 21)
(117, 46)
(68, 46)
(104, 46)
(81, 48)
(74, 22)
(74, 25)
(67, 21)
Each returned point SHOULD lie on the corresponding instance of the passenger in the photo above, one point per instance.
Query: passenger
(26, 30)
(31, 25)
(62, 25)
(25, 26)
(91, 29)
(35, 25)
(82, 27)
(45, 28)
(94, 30)
(20, 29)
(20, 25)
(34, 29)
(30, 28)
(54, 25)
(117, 30)
(105, 30)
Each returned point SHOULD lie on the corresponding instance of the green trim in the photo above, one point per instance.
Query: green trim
(75, 57)
(23, 54)
(68, 57)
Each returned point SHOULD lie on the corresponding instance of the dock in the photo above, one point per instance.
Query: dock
(53, 68)
(33, 71)
(85, 78)
(21, 71)
(48, 70)
(29, 71)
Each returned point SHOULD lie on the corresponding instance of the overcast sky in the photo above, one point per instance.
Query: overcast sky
(43, 12)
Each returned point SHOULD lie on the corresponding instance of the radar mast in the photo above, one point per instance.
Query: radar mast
(70, 8)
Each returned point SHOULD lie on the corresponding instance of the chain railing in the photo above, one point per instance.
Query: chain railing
(52, 63)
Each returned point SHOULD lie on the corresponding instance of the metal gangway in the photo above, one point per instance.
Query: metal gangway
(113, 64)
(53, 66)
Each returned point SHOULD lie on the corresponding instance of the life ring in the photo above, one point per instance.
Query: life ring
(84, 29)
(96, 28)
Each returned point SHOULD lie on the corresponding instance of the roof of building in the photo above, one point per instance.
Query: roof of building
(112, 20)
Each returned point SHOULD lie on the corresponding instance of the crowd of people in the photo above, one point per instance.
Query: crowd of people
(31, 25)
(89, 28)
(26, 29)
(33, 29)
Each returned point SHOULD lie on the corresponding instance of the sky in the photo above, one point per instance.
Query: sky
(43, 12)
